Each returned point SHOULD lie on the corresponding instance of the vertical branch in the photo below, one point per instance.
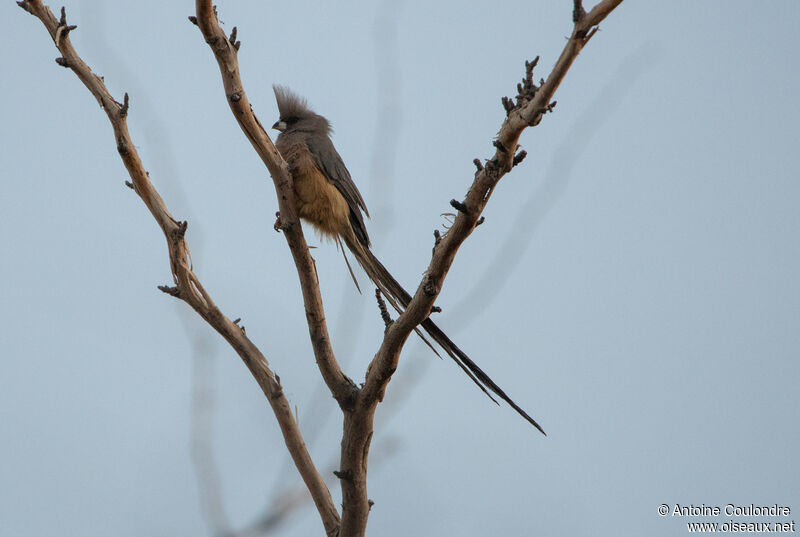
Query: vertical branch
(225, 51)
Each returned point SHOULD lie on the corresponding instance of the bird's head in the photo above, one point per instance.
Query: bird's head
(295, 115)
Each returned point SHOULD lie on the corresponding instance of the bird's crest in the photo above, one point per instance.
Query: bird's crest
(291, 105)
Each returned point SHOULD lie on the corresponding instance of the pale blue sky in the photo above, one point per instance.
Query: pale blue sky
(634, 286)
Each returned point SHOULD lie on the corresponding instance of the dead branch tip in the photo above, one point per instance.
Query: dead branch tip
(26, 5)
(508, 104)
(529, 69)
(123, 111)
(172, 291)
(181, 231)
(232, 39)
(193, 19)
(63, 30)
(346, 475)
(526, 89)
(387, 319)
(458, 206)
(437, 238)
(577, 11)
(478, 165)
(519, 157)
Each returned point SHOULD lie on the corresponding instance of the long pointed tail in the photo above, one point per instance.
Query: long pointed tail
(399, 299)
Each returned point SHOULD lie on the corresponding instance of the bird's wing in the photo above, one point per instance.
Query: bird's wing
(329, 162)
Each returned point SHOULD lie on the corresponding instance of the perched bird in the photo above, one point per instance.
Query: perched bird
(326, 197)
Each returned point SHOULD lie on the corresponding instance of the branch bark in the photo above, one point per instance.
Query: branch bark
(532, 103)
(187, 286)
(225, 51)
(358, 405)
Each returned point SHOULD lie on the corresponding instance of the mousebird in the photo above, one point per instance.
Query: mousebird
(326, 197)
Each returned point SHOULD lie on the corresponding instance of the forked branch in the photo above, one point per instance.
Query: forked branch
(225, 50)
(526, 109)
(187, 286)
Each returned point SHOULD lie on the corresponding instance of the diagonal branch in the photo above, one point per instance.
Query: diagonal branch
(532, 103)
(187, 286)
(225, 51)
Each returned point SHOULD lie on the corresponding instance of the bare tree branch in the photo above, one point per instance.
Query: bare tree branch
(225, 51)
(358, 405)
(532, 103)
(187, 286)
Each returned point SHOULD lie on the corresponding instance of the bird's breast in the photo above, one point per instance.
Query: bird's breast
(317, 200)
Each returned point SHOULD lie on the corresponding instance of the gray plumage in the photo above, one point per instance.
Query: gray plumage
(326, 197)
(316, 130)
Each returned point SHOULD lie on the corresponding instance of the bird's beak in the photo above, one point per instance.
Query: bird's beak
(279, 126)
